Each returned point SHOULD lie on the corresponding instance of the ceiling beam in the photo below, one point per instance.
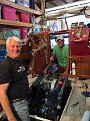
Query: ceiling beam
(52, 3)
(64, 1)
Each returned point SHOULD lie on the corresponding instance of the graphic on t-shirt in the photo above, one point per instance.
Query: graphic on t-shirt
(21, 68)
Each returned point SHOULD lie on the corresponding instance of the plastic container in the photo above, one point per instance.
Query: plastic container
(8, 13)
(24, 32)
(24, 17)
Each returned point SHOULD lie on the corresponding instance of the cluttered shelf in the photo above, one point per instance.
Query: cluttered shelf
(8, 17)
(14, 24)
(19, 7)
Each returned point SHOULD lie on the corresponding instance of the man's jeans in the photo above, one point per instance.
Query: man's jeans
(21, 110)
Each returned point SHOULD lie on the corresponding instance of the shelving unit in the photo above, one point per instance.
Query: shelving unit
(19, 7)
(12, 24)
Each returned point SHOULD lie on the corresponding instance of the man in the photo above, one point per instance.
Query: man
(61, 52)
(14, 85)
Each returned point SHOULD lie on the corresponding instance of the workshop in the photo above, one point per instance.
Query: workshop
(44, 60)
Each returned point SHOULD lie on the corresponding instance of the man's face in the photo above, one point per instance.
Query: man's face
(13, 49)
(60, 43)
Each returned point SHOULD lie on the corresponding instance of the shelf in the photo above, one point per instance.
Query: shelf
(14, 23)
(19, 7)
(2, 42)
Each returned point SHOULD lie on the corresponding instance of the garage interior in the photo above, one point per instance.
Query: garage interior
(52, 96)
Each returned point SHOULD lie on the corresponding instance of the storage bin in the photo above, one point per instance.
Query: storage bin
(24, 17)
(8, 32)
(24, 32)
(23, 2)
(11, 32)
(8, 13)
(26, 3)
(32, 4)
(17, 33)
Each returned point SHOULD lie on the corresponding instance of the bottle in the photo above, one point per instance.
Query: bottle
(73, 68)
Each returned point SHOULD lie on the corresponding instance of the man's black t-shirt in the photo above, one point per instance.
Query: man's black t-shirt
(13, 72)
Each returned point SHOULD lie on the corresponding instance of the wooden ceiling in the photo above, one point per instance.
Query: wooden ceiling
(54, 3)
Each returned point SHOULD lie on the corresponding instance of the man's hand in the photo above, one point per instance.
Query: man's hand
(52, 58)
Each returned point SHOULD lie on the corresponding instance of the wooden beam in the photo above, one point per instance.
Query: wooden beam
(14, 23)
(38, 3)
(52, 3)
(43, 10)
(64, 1)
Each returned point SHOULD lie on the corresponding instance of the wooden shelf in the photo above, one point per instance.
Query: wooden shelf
(2, 42)
(14, 23)
(19, 7)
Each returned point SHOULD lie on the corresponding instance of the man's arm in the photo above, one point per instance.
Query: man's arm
(52, 58)
(5, 102)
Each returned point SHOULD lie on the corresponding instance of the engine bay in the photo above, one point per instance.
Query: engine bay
(48, 96)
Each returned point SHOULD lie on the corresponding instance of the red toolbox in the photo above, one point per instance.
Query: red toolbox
(24, 17)
(8, 13)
